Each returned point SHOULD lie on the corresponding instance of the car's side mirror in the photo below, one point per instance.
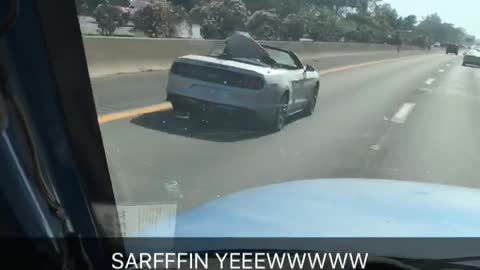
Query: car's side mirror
(309, 68)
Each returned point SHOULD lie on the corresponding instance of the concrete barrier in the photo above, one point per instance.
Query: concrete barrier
(113, 55)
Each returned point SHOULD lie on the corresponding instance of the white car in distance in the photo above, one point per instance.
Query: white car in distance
(247, 78)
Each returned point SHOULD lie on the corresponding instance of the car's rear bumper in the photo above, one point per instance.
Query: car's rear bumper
(469, 60)
(213, 109)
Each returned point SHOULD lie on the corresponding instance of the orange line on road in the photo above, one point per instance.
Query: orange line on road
(344, 68)
(166, 106)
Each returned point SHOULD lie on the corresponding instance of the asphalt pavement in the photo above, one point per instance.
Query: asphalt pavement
(411, 118)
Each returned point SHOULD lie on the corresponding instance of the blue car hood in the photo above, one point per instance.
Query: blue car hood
(346, 208)
(338, 208)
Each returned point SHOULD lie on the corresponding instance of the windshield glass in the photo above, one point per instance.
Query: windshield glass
(282, 58)
(380, 126)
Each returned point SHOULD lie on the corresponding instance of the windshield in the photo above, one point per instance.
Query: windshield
(281, 58)
(369, 114)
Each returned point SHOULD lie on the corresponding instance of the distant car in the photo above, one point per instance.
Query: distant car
(437, 45)
(472, 57)
(247, 78)
(452, 48)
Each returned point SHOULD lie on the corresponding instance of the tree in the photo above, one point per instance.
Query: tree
(123, 3)
(186, 4)
(370, 6)
(86, 7)
(386, 24)
(293, 27)
(469, 39)
(235, 15)
(210, 29)
(386, 18)
(220, 18)
(254, 5)
(159, 18)
(320, 30)
(321, 24)
(285, 7)
(365, 28)
(409, 22)
(107, 18)
(82, 7)
(264, 25)
(282, 7)
(89, 5)
(379, 23)
(433, 27)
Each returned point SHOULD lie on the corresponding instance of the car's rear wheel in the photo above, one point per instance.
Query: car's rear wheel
(280, 118)
(312, 103)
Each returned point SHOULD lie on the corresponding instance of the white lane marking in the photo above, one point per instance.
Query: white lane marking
(441, 70)
(375, 147)
(425, 90)
(401, 116)
(430, 81)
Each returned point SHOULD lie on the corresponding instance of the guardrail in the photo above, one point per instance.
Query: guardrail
(113, 55)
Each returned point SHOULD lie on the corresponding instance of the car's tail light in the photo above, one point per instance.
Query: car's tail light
(254, 83)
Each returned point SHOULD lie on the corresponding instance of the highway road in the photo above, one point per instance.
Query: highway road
(126, 91)
(413, 117)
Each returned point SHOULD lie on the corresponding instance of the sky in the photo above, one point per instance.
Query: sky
(462, 13)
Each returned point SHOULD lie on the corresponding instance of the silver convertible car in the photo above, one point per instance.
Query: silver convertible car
(247, 79)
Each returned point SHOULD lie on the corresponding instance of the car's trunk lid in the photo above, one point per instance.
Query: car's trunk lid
(220, 75)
